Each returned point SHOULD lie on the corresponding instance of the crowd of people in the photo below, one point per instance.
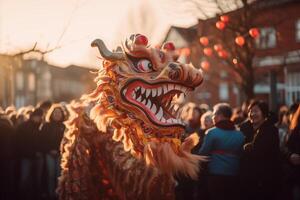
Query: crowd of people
(251, 152)
(29, 150)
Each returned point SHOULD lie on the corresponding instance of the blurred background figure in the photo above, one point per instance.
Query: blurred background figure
(52, 133)
(238, 116)
(293, 155)
(28, 145)
(7, 153)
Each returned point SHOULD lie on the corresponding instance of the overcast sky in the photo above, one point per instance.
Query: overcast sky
(73, 24)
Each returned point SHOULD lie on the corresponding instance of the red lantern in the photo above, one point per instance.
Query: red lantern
(220, 25)
(204, 41)
(254, 32)
(224, 18)
(205, 65)
(235, 61)
(240, 40)
(207, 51)
(141, 40)
(218, 47)
(223, 54)
(169, 46)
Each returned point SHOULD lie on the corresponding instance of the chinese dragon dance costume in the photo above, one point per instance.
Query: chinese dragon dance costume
(123, 141)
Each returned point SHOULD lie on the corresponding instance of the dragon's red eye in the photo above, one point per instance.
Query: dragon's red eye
(144, 65)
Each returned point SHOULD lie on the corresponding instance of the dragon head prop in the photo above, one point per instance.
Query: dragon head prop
(135, 102)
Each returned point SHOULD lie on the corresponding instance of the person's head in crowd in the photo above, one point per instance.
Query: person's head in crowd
(13, 117)
(37, 116)
(56, 114)
(9, 110)
(237, 115)
(45, 105)
(283, 116)
(1, 110)
(194, 119)
(295, 122)
(206, 120)
(204, 107)
(28, 110)
(221, 112)
(258, 112)
(245, 107)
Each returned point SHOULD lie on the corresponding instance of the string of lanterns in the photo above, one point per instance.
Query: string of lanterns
(218, 48)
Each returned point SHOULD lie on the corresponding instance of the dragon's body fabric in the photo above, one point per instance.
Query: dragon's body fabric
(123, 141)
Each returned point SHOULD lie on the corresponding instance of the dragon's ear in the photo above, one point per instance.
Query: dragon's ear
(136, 40)
(169, 47)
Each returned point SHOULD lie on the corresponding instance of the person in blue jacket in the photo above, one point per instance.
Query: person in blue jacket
(223, 145)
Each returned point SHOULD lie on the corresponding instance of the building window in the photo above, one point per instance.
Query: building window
(267, 38)
(19, 81)
(223, 91)
(292, 88)
(31, 82)
(298, 30)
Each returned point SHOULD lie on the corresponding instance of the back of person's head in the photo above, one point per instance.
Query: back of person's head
(223, 109)
(45, 105)
(38, 112)
(52, 116)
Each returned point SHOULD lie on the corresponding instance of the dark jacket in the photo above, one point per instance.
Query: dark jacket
(28, 139)
(247, 129)
(7, 138)
(52, 133)
(293, 146)
(260, 165)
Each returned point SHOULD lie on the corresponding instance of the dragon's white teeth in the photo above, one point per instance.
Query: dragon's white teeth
(144, 102)
(176, 107)
(149, 104)
(137, 88)
(165, 89)
(153, 109)
(148, 91)
(133, 95)
(153, 92)
(169, 121)
(143, 90)
(139, 99)
(163, 120)
(170, 87)
(181, 96)
(177, 87)
(124, 91)
(159, 91)
(160, 113)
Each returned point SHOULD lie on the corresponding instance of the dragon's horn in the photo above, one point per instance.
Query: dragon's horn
(105, 53)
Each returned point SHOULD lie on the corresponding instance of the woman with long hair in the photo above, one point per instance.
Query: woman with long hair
(52, 133)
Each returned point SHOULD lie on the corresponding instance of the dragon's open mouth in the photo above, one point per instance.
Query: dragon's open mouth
(156, 100)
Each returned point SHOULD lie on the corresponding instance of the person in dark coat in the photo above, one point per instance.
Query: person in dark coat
(28, 144)
(52, 132)
(260, 170)
(7, 152)
(293, 155)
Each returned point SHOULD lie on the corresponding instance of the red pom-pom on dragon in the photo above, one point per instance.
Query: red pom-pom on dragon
(123, 140)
